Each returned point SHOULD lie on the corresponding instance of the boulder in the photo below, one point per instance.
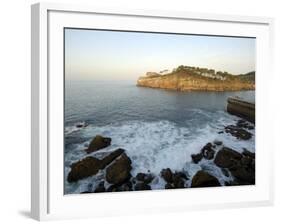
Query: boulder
(99, 142)
(237, 132)
(178, 180)
(204, 179)
(125, 186)
(142, 186)
(208, 152)
(112, 156)
(167, 175)
(243, 175)
(86, 167)
(90, 166)
(244, 124)
(248, 153)
(146, 178)
(196, 158)
(119, 171)
(227, 158)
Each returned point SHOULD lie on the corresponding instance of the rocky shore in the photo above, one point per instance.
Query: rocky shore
(115, 167)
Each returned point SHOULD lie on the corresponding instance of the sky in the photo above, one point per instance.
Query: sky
(119, 55)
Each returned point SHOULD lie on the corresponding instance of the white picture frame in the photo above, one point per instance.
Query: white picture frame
(48, 201)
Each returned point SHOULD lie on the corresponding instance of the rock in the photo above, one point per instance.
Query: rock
(237, 132)
(146, 178)
(204, 179)
(87, 167)
(100, 188)
(174, 180)
(225, 172)
(167, 175)
(244, 124)
(241, 167)
(227, 158)
(181, 175)
(142, 186)
(196, 158)
(216, 142)
(119, 171)
(243, 175)
(98, 143)
(207, 152)
(248, 153)
(178, 181)
(112, 156)
(125, 186)
(246, 161)
(220, 132)
(90, 166)
(169, 186)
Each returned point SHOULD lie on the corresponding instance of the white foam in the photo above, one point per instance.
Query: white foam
(153, 146)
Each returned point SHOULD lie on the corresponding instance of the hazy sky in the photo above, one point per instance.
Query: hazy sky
(112, 55)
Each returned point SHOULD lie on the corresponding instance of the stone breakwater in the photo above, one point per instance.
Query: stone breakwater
(184, 81)
(114, 168)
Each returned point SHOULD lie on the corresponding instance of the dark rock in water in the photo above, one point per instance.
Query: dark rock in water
(208, 152)
(196, 158)
(181, 175)
(204, 179)
(167, 175)
(243, 175)
(248, 153)
(178, 182)
(87, 167)
(244, 124)
(246, 161)
(125, 186)
(90, 166)
(100, 188)
(169, 186)
(237, 132)
(227, 158)
(174, 180)
(241, 167)
(142, 186)
(98, 143)
(146, 178)
(119, 171)
(216, 142)
(225, 172)
(112, 156)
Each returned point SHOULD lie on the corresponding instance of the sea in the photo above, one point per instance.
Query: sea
(157, 128)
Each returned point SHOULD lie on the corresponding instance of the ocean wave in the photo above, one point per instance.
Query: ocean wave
(153, 146)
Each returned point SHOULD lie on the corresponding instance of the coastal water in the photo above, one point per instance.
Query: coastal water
(157, 128)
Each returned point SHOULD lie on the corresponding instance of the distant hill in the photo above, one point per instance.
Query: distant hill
(188, 78)
(248, 76)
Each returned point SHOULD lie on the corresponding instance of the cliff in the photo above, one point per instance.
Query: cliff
(186, 78)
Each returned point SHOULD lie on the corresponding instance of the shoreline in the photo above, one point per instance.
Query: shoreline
(212, 154)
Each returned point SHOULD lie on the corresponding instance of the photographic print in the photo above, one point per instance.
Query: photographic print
(155, 111)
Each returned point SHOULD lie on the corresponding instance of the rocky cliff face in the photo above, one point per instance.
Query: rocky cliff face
(186, 79)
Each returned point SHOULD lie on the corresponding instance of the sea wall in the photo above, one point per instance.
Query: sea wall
(241, 108)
